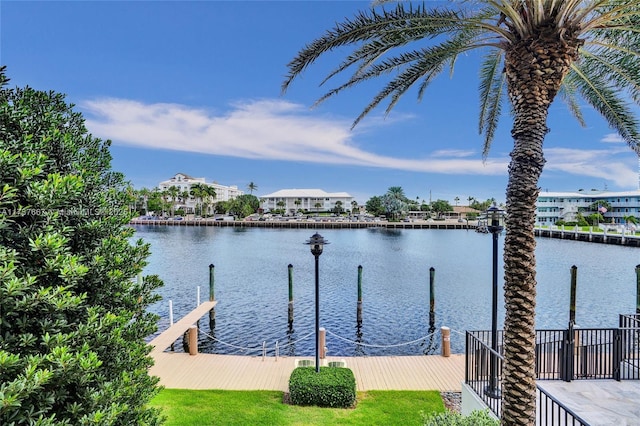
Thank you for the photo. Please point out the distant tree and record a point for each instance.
(244, 205)
(281, 204)
(73, 317)
(481, 205)
(457, 200)
(440, 207)
(252, 187)
(297, 202)
(337, 208)
(354, 206)
(173, 192)
(393, 206)
(317, 206)
(374, 206)
(397, 192)
(595, 219)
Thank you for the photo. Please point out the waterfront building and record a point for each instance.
(313, 200)
(184, 182)
(554, 206)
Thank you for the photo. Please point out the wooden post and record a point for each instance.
(290, 268)
(637, 289)
(323, 342)
(572, 301)
(446, 341)
(211, 283)
(359, 309)
(432, 296)
(193, 340)
(212, 297)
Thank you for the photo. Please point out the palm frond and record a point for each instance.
(396, 27)
(568, 94)
(620, 68)
(492, 95)
(605, 98)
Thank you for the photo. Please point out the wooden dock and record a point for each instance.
(236, 372)
(167, 337)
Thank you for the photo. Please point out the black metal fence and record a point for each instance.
(481, 362)
(572, 354)
(550, 411)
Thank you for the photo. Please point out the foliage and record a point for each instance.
(441, 206)
(330, 387)
(198, 407)
(72, 314)
(244, 205)
(450, 418)
(481, 205)
(374, 206)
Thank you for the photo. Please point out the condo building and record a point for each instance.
(292, 200)
(555, 206)
(184, 182)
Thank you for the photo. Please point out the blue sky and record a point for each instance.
(194, 87)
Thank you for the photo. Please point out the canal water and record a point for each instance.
(251, 286)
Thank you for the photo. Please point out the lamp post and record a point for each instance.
(495, 225)
(316, 242)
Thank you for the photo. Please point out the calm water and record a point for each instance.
(251, 286)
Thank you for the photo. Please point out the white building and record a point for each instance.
(312, 200)
(184, 182)
(555, 206)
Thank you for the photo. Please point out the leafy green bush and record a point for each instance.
(331, 387)
(451, 418)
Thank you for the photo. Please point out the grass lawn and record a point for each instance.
(218, 407)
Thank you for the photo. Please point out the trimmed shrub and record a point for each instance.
(331, 387)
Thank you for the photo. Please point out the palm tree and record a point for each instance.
(208, 197)
(297, 202)
(173, 192)
(198, 192)
(532, 50)
(354, 206)
(252, 187)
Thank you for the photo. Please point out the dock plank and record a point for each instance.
(167, 337)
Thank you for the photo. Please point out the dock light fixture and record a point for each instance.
(316, 243)
(495, 225)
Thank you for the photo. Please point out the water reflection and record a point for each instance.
(252, 286)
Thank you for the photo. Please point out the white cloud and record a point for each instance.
(604, 164)
(263, 129)
(279, 130)
(612, 138)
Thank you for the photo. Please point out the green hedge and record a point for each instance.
(331, 387)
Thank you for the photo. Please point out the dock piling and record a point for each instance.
(290, 269)
(432, 297)
(572, 301)
(193, 340)
(637, 289)
(212, 311)
(446, 341)
(359, 309)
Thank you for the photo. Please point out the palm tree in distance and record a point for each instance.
(252, 187)
(532, 51)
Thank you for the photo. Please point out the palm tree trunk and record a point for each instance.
(519, 404)
(535, 68)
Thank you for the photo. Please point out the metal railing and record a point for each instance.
(480, 362)
(550, 411)
(572, 354)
